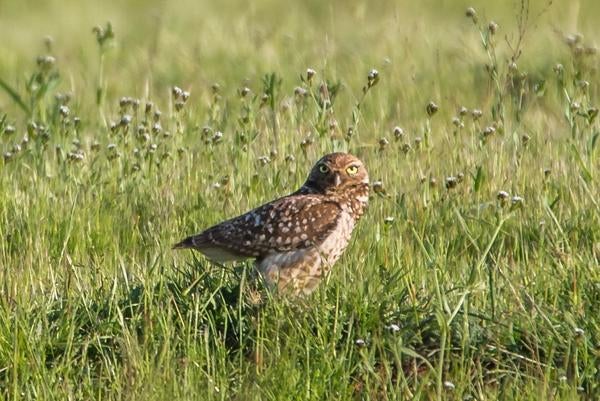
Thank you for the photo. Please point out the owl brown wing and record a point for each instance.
(286, 224)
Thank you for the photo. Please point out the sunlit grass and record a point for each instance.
(473, 275)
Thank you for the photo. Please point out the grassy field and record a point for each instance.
(474, 274)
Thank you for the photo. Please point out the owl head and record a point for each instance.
(337, 172)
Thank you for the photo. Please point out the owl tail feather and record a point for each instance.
(185, 244)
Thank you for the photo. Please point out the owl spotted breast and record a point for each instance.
(298, 238)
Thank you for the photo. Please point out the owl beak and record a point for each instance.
(338, 180)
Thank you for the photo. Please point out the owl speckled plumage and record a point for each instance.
(295, 239)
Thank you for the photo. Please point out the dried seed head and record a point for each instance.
(547, 172)
(349, 133)
(64, 111)
(217, 137)
(179, 105)
(575, 106)
(125, 102)
(431, 108)
(75, 156)
(489, 130)
(471, 13)
(406, 147)
(176, 92)
(185, 95)
(451, 182)
(125, 120)
(310, 73)
(512, 66)
(372, 78)
(290, 158)
(300, 91)
(215, 88)
(76, 122)
(573, 39)
(156, 128)
(7, 156)
(462, 111)
(476, 114)
(492, 27)
(306, 143)
(517, 201)
(148, 108)
(244, 91)
(264, 160)
(558, 69)
(383, 143)
(418, 141)
(525, 139)
(583, 84)
(360, 343)
(45, 62)
(388, 221)
(377, 187)
(457, 122)
(502, 196)
(157, 115)
(398, 133)
(432, 182)
(9, 129)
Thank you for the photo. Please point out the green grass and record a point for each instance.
(447, 292)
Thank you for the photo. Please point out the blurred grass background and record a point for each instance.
(444, 293)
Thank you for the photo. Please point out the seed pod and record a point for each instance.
(398, 133)
(431, 108)
(451, 182)
(471, 13)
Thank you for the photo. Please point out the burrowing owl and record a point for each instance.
(295, 239)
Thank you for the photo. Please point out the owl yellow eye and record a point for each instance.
(323, 169)
(352, 170)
